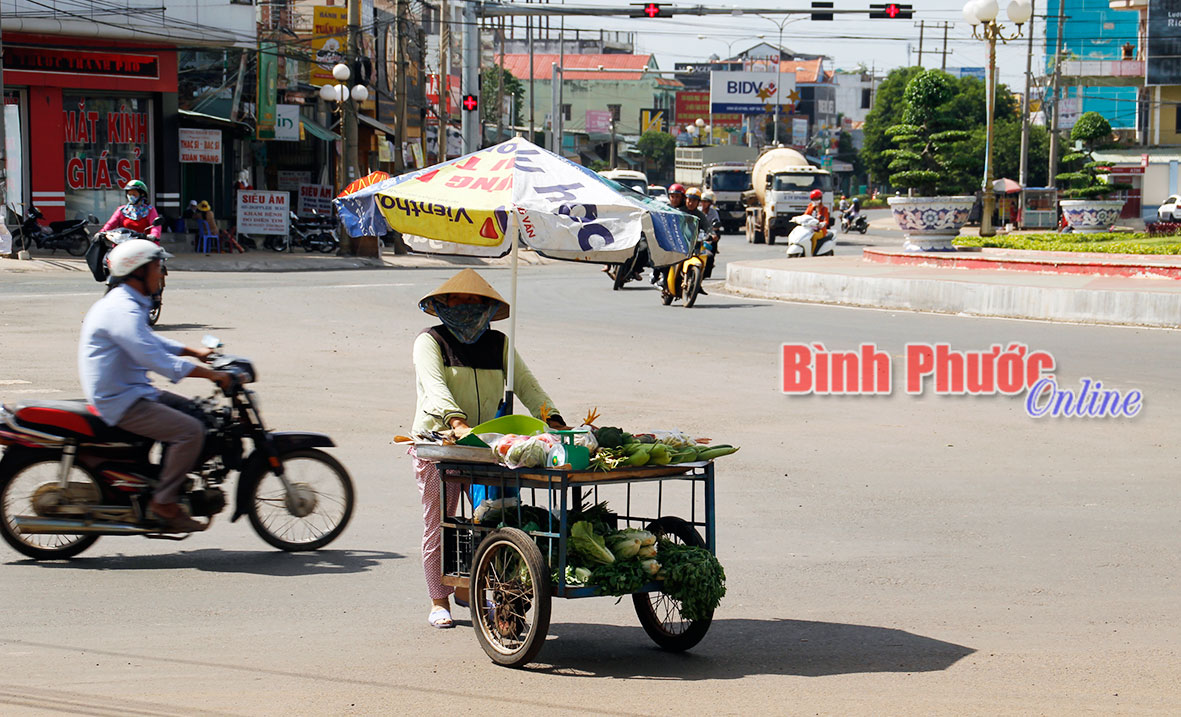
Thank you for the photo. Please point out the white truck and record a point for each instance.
(722, 169)
(781, 181)
(628, 178)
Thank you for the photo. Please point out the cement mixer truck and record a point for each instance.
(781, 181)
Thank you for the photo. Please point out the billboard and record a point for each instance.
(1164, 43)
(329, 41)
(691, 105)
(750, 93)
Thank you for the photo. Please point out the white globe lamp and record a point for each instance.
(341, 71)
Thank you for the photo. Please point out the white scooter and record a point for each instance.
(809, 238)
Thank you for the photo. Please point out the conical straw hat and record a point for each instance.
(467, 282)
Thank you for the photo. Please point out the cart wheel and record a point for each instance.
(510, 597)
(659, 614)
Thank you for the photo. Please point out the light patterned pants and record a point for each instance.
(427, 476)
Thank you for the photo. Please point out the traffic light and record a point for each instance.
(471, 103)
(821, 6)
(650, 10)
(891, 11)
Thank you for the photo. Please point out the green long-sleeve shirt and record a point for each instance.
(455, 380)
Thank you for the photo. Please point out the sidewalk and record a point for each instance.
(1001, 283)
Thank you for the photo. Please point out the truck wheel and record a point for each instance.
(770, 235)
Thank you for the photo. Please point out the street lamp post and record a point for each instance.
(779, 67)
(982, 14)
(340, 94)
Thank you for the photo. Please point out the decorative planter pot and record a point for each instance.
(930, 223)
(1091, 216)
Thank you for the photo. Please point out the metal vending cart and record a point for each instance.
(508, 568)
(1039, 208)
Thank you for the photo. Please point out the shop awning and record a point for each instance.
(189, 118)
(379, 126)
(318, 130)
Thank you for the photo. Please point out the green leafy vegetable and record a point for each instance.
(693, 577)
(588, 544)
(623, 577)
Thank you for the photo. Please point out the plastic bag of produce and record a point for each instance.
(527, 451)
(674, 439)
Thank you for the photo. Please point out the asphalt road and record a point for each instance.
(885, 555)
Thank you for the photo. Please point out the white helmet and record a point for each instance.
(130, 255)
(707, 196)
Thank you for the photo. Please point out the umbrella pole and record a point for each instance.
(512, 332)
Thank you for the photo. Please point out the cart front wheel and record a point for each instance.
(510, 597)
(659, 614)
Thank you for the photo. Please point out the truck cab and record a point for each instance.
(786, 196)
(628, 178)
(728, 181)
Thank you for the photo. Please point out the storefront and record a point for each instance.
(88, 121)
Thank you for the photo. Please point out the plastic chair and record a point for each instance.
(206, 239)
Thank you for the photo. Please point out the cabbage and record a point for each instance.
(588, 544)
(650, 566)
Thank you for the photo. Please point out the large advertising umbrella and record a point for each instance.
(490, 202)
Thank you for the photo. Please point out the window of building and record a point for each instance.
(866, 98)
(1177, 121)
(108, 143)
(566, 113)
(614, 110)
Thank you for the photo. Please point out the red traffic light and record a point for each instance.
(648, 9)
(471, 103)
(891, 11)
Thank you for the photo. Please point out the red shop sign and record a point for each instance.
(81, 62)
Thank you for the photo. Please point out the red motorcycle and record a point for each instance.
(67, 478)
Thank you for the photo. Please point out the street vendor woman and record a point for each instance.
(460, 375)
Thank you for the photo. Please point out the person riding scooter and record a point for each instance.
(817, 209)
(138, 214)
(713, 222)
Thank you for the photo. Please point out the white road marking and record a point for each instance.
(13, 382)
(33, 390)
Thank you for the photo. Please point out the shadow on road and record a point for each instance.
(734, 649)
(261, 562)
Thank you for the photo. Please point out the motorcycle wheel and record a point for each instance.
(863, 229)
(23, 477)
(279, 245)
(78, 244)
(623, 272)
(320, 510)
(154, 314)
(692, 285)
(328, 243)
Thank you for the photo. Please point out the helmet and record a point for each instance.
(692, 192)
(130, 255)
(816, 195)
(707, 196)
(676, 189)
(136, 184)
(856, 201)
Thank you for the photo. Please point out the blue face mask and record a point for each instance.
(466, 322)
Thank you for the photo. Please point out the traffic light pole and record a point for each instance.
(471, 77)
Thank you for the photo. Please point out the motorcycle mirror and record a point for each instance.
(158, 221)
(92, 219)
(210, 341)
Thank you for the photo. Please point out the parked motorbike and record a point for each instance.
(103, 242)
(809, 238)
(313, 234)
(66, 478)
(70, 235)
(854, 223)
(683, 280)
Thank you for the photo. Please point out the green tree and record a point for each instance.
(489, 89)
(886, 112)
(659, 148)
(926, 138)
(1093, 131)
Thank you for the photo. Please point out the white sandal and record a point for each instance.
(440, 617)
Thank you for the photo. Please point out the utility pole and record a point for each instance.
(612, 143)
(470, 79)
(500, 91)
(532, 97)
(4, 154)
(1051, 179)
(399, 87)
(444, 73)
(555, 81)
(943, 55)
(1023, 166)
(922, 26)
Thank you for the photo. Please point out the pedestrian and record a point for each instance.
(459, 369)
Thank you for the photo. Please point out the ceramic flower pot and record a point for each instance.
(1091, 216)
(930, 223)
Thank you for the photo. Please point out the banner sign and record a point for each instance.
(799, 131)
(652, 120)
(750, 93)
(1164, 43)
(329, 37)
(317, 197)
(261, 212)
(268, 89)
(598, 122)
(287, 123)
(81, 62)
(289, 180)
(200, 146)
(691, 105)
